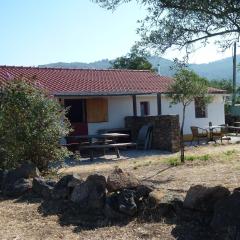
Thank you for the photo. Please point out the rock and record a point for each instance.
(118, 180)
(27, 170)
(41, 188)
(163, 203)
(91, 194)
(126, 202)
(142, 191)
(65, 186)
(227, 212)
(18, 188)
(120, 205)
(2, 177)
(203, 198)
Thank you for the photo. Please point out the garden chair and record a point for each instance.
(198, 134)
(144, 138)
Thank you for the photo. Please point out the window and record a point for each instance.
(97, 110)
(144, 108)
(200, 108)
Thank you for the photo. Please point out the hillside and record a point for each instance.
(221, 69)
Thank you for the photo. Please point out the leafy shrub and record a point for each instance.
(31, 125)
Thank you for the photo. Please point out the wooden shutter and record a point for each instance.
(97, 110)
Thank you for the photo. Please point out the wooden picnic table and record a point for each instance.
(101, 141)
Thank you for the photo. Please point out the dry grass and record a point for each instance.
(24, 220)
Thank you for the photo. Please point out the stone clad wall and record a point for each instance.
(166, 130)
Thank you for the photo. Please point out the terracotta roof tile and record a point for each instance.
(91, 81)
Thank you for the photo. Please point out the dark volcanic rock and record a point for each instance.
(18, 188)
(2, 177)
(65, 186)
(120, 205)
(91, 194)
(27, 170)
(227, 212)
(204, 198)
(41, 187)
(118, 180)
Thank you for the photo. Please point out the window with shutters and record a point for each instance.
(97, 110)
(200, 108)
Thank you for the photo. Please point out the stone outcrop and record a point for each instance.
(65, 186)
(119, 179)
(203, 198)
(91, 194)
(42, 188)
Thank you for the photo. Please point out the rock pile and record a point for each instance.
(122, 196)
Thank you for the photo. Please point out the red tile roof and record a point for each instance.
(60, 81)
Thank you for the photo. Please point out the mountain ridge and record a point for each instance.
(216, 70)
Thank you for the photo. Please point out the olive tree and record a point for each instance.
(181, 23)
(186, 87)
(31, 125)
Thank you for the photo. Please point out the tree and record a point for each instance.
(187, 86)
(222, 84)
(181, 23)
(31, 125)
(132, 61)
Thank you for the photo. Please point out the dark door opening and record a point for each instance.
(77, 115)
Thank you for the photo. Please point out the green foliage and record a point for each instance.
(188, 86)
(31, 125)
(132, 61)
(181, 23)
(173, 161)
(222, 84)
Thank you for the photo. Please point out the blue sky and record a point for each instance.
(43, 31)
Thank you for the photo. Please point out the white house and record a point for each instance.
(100, 99)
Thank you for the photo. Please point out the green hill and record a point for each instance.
(221, 69)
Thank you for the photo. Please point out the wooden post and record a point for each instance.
(159, 104)
(134, 98)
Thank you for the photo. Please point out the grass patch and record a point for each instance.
(229, 152)
(205, 157)
(174, 161)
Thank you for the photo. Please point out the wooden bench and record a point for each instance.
(116, 146)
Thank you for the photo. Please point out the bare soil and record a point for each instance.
(210, 165)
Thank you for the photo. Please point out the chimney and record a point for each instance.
(159, 69)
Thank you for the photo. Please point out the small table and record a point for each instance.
(210, 128)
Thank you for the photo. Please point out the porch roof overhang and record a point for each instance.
(101, 94)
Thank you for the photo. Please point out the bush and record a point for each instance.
(31, 125)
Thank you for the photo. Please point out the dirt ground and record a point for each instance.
(210, 165)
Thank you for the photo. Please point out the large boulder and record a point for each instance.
(65, 186)
(42, 188)
(26, 170)
(227, 212)
(91, 194)
(118, 180)
(204, 198)
(18, 188)
(160, 204)
(2, 177)
(120, 205)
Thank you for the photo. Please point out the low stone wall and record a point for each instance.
(166, 130)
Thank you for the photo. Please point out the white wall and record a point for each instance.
(121, 106)
(215, 113)
(118, 109)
